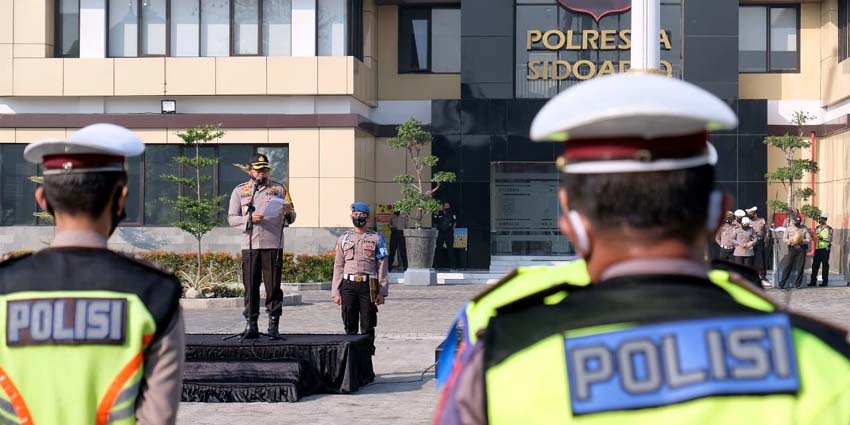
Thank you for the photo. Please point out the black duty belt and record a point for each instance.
(360, 278)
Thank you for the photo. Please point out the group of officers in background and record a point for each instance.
(745, 237)
(741, 239)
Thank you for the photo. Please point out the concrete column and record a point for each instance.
(646, 34)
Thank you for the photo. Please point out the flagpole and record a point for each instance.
(646, 35)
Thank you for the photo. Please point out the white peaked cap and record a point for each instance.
(740, 213)
(753, 209)
(824, 214)
(648, 111)
(745, 220)
(106, 139)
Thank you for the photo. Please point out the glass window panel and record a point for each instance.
(413, 40)
(134, 179)
(278, 162)
(159, 160)
(783, 39)
(215, 28)
(123, 28)
(153, 27)
(277, 27)
(445, 40)
(752, 40)
(69, 28)
(185, 27)
(332, 28)
(17, 204)
(229, 176)
(246, 26)
(534, 18)
(842, 29)
(671, 18)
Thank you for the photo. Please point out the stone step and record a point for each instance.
(456, 278)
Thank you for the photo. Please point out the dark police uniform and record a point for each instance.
(445, 222)
(823, 246)
(88, 335)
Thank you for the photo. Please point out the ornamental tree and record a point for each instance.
(198, 210)
(418, 196)
(790, 145)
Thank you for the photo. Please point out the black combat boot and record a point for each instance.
(251, 329)
(274, 323)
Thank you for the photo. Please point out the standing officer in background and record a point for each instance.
(656, 338)
(89, 336)
(744, 239)
(759, 226)
(445, 220)
(723, 237)
(398, 223)
(360, 281)
(823, 247)
(797, 237)
(264, 263)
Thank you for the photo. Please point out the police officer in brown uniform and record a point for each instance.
(85, 189)
(723, 237)
(744, 239)
(759, 226)
(360, 281)
(266, 242)
(797, 237)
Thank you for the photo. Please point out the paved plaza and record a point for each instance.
(410, 326)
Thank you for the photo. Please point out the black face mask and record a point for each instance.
(117, 216)
(359, 221)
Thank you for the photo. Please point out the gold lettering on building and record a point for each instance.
(604, 40)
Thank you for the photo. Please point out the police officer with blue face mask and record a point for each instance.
(360, 280)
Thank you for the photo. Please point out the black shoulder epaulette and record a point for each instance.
(496, 285)
(8, 259)
(148, 264)
(539, 297)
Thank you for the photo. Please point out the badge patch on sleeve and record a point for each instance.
(661, 364)
(66, 321)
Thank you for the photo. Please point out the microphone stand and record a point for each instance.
(249, 229)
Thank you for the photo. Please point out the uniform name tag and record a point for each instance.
(667, 363)
(66, 321)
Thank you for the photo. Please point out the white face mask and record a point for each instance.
(582, 240)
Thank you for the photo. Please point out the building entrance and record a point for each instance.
(524, 210)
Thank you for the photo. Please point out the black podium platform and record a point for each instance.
(267, 370)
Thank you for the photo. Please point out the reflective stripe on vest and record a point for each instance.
(81, 350)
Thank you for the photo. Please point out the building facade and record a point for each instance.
(319, 85)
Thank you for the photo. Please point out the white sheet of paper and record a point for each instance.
(274, 207)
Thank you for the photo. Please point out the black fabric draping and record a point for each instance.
(243, 382)
(341, 363)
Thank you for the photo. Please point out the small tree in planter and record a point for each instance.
(417, 198)
(198, 211)
(790, 145)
